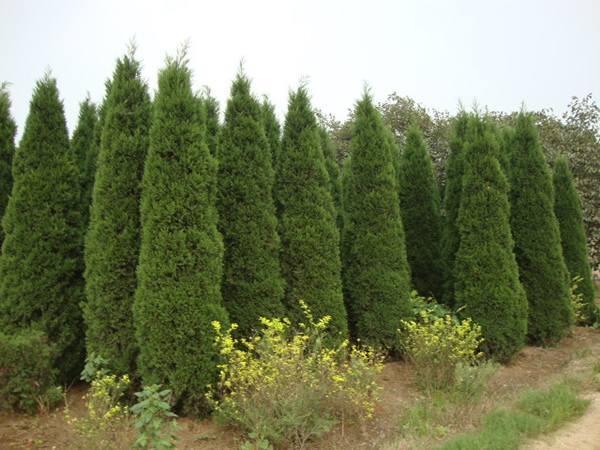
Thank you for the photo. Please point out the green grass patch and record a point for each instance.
(536, 411)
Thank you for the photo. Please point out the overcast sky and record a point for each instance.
(498, 52)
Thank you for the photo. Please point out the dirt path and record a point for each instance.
(582, 434)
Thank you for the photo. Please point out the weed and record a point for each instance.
(155, 430)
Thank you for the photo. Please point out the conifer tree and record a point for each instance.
(420, 210)
(8, 130)
(450, 236)
(113, 238)
(272, 132)
(211, 108)
(487, 283)
(181, 255)
(252, 284)
(375, 271)
(567, 207)
(40, 273)
(543, 272)
(82, 144)
(310, 259)
(335, 186)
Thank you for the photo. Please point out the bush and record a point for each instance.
(27, 373)
(285, 386)
(437, 346)
(153, 411)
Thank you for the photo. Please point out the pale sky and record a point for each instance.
(498, 52)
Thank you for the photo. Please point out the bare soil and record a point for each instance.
(532, 367)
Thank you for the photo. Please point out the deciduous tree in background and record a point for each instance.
(420, 210)
(375, 271)
(310, 259)
(252, 283)
(40, 267)
(542, 269)
(487, 286)
(181, 255)
(113, 238)
(567, 207)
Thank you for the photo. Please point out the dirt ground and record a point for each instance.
(532, 367)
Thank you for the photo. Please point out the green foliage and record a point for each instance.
(487, 286)
(27, 372)
(83, 143)
(286, 385)
(180, 263)
(8, 130)
(537, 238)
(211, 108)
(40, 266)
(427, 307)
(567, 207)
(113, 238)
(420, 210)
(252, 284)
(450, 238)
(310, 260)
(375, 270)
(153, 411)
(437, 347)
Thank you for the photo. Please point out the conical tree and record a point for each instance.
(211, 108)
(375, 271)
(567, 207)
(335, 185)
(537, 237)
(40, 275)
(450, 236)
(420, 210)
(487, 283)
(252, 283)
(113, 238)
(272, 131)
(82, 144)
(310, 242)
(8, 130)
(181, 256)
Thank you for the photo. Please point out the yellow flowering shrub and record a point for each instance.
(437, 345)
(577, 300)
(106, 420)
(290, 384)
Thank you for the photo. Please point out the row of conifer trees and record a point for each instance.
(154, 220)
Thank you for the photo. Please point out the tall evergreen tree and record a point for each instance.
(486, 272)
(335, 185)
(211, 108)
(41, 286)
(450, 236)
(272, 131)
(113, 238)
(181, 256)
(420, 210)
(567, 207)
(252, 284)
(375, 269)
(537, 237)
(82, 144)
(8, 130)
(310, 259)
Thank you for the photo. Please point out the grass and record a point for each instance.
(536, 411)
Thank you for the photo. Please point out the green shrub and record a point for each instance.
(153, 411)
(27, 373)
(286, 386)
(437, 346)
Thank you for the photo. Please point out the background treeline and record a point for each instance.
(155, 219)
